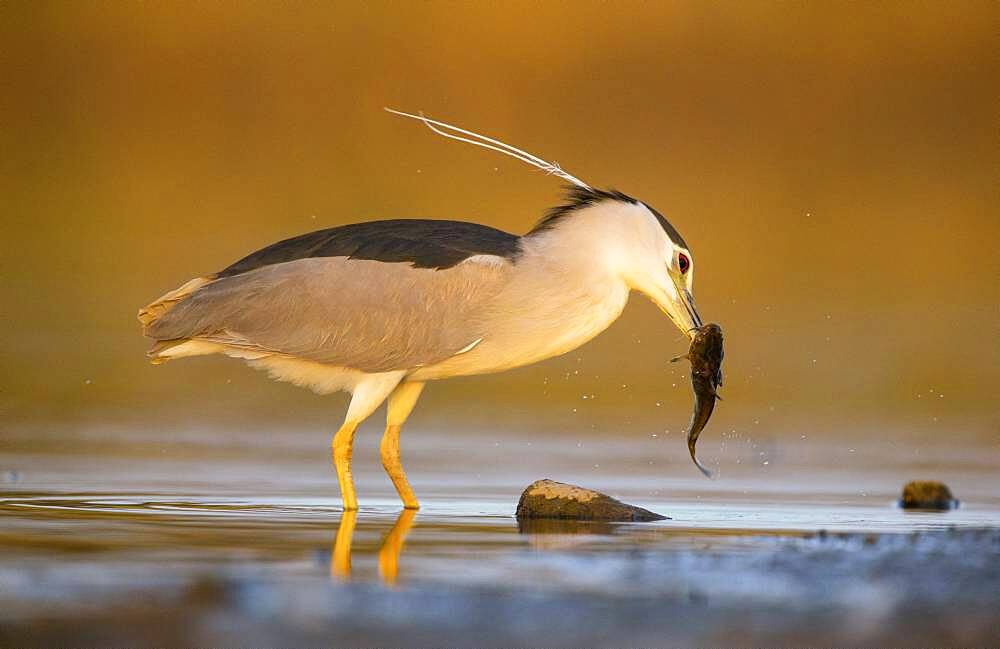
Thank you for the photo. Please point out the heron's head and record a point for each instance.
(637, 243)
(665, 269)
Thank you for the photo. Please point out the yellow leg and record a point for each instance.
(365, 398)
(340, 561)
(401, 403)
(341, 446)
(392, 545)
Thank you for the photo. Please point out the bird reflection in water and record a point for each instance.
(388, 554)
(540, 535)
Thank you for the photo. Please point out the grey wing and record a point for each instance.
(367, 315)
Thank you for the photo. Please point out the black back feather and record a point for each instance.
(422, 242)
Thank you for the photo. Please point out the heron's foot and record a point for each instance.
(403, 489)
(349, 499)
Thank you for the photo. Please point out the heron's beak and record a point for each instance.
(679, 307)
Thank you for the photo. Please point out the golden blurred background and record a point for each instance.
(834, 167)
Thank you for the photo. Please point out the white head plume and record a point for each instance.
(443, 129)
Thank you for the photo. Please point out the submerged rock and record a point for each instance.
(551, 499)
(927, 494)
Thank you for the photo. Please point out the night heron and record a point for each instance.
(378, 309)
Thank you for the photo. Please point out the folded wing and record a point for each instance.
(369, 315)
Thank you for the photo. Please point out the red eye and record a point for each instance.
(683, 262)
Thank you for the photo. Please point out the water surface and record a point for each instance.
(238, 536)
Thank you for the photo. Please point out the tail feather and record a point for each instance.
(156, 353)
(164, 350)
(155, 309)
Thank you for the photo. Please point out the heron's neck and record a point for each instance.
(593, 247)
(575, 259)
(563, 291)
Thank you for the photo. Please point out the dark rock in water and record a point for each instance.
(550, 499)
(927, 494)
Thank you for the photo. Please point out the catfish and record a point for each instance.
(705, 355)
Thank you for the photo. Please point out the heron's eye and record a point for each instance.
(683, 262)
